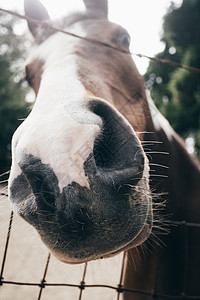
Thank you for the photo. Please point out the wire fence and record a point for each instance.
(82, 286)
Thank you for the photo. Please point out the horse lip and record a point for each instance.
(136, 241)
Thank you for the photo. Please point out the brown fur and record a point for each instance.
(34, 72)
(164, 268)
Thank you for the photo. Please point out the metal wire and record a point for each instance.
(82, 285)
(42, 284)
(48, 26)
(6, 247)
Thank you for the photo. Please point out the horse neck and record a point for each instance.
(180, 181)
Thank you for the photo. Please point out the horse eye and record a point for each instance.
(125, 40)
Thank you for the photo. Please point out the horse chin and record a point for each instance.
(142, 236)
(84, 254)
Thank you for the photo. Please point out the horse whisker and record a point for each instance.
(5, 173)
(158, 165)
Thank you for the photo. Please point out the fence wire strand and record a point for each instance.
(6, 247)
(42, 284)
(48, 26)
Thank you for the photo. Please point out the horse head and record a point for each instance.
(79, 172)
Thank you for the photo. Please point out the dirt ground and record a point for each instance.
(26, 261)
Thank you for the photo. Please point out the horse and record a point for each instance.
(94, 159)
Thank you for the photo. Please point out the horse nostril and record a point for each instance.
(105, 152)
(117, 152)
(41, 180)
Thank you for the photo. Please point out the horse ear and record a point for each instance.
(98, 6)
(35, 10)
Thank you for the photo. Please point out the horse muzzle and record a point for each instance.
(112, 213)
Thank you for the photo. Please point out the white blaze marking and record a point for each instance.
(51, 133)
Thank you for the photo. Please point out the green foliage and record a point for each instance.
(12, 92)
(178, 95)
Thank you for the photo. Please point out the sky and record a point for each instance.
(142, 18)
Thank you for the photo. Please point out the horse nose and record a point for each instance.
(114, 160)
(74, 219)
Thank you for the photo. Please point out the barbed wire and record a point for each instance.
(48, 26)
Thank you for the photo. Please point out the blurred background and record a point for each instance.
(160, 28)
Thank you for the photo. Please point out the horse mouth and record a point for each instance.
(138, 240)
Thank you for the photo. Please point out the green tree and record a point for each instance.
(176, 91)
(13, 107)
